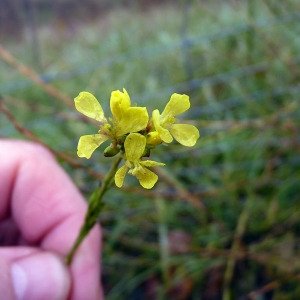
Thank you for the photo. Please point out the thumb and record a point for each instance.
(38, 275)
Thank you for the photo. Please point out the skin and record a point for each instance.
(41, 212)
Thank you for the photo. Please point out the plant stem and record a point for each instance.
(95, 207)
(235, 247)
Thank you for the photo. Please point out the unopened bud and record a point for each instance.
(153, 139)
(111, 151)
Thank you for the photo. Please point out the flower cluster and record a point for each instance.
(132, 132)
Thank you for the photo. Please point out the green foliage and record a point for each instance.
(238, 61)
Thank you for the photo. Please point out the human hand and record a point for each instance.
(41, 212)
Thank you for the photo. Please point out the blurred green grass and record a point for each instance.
(238, 61)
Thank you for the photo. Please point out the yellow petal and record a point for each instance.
(88, 143)
(147, 178)
(120, 175)
(119, 102)
(134, 146)
(151, 163)
(133, 119)
(185, 134)
(163, 133)
(177, 105)
(87, 104)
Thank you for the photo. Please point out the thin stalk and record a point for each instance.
(235, 248)
(95, 207)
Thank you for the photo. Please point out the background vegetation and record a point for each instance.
(223, 222)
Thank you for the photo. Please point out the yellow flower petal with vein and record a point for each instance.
(88, 143)
(133, 119)
(147, 178)
(120, 175)
(164, 133)
(134, 146)
(185, 134)
(119, 102)
(87, 104)
(177, 105)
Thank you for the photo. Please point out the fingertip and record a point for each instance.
(40, 276)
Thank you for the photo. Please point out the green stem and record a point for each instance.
(239, 232)
(95, 207)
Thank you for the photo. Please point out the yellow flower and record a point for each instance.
(126, 119)
(88, 105)
(134, 146)
(185, 134)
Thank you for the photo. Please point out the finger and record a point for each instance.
(48, 210)
(6, 287)
(28, 273)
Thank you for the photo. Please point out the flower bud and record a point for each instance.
(111, 151)
(153, 139)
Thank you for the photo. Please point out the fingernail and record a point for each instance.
(40, 276)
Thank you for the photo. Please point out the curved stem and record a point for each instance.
(96, 204)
